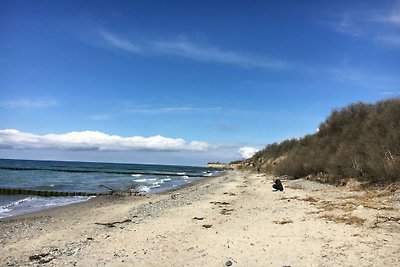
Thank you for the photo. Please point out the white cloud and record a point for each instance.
(377, 25)
(94, 140)
(391, 16)
(119, 43)
(392, 40)
(347, 24)
(177, 109)
(393, 19)
(186, 49)
(390, 93)
(247, 152)
(100, 117)
(26, 103)
(366, 79)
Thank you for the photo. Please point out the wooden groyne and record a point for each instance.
(42, 193)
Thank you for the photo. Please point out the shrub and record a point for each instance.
(360, 141)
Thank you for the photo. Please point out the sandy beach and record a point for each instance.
(232, 220)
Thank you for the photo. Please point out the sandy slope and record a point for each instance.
(235, 219)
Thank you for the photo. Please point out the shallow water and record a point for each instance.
(87, 177)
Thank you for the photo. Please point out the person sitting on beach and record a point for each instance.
(278, 185)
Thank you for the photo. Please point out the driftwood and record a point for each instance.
(219, 203)
(113, 224)
(110, 190)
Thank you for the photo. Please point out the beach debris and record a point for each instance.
(228, 263)
(207, 226)
(41, 258)
(226, 211)
(284, 221)
(110, 190)
(219, 203)
(229, 194)
(198, 218)
(383, 219)
(113, 224)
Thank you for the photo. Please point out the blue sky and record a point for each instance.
(185, 82)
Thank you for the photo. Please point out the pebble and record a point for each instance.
(183, 198)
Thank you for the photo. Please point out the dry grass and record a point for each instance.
(394, 222)
(347, 219)
(372, 199)
(294, 186)
(330, 206)
(309, 199)
(379, 200)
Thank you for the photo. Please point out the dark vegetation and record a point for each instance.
(360, 141)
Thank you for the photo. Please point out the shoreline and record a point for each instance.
(103, 199)
(235, 217)
(106, 196)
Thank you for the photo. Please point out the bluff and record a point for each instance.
(360, 141)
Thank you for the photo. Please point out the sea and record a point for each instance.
(89, 177)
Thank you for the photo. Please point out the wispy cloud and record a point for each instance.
(391, 16)
(181, 47)
(393, 40)
(390, 93)
(95, 140)
(27, 103)
(101, 117)
(119, 43)
(177, 109)
(364, 78)
(151, 110)
(346, 24)
(202, 53)
(225, 127)
(378, 25)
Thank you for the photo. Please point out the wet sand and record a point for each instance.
(236, 219)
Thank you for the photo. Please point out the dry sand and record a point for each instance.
(233, 220)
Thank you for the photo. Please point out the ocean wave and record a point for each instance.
(18, 202)
(30, 204)
(61, 201)
(3, 209)
(140, 180)
(143, 189)
(137, 175)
